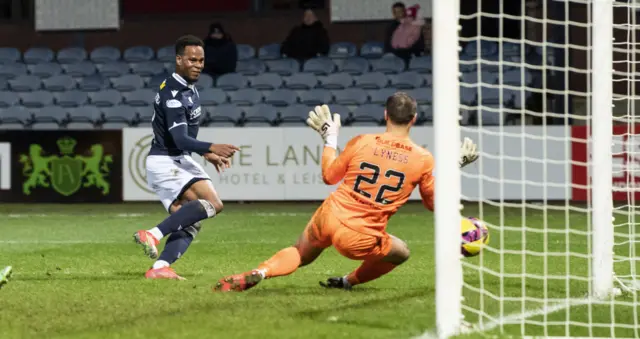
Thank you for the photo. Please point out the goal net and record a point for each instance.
(547, 89)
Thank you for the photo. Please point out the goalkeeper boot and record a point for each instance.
(336, 282)
(148, 243)
(163, 273)
(4, 275)
(238, 282)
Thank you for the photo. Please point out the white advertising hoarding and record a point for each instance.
(349, 10)
(76, 14)
(284, 163)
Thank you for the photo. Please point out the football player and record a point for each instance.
(4, 275)
(182, 185)
(378, 174)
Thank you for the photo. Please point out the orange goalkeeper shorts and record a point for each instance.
(325, 229)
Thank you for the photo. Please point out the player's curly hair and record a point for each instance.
(187, 40)
(401, 108)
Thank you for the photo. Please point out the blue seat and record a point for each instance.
(127, 82)
(166, 54)
(267, 82)
(296, 114)
(59, 83)
(421, 64)
(284, 67)
(354, 66)
(245, 97)
(319, 66)
(84, 116)
(337, 81)
(12, 70)
(480, 48)
(105, 98)
(118, 116)
(316, 97)
(227, 114)
(81, 69)
(213, 97)
(282, 97)
(45, 69)
(261, 114)
(350, 96)
(269, 52)
(204, 81)
(245, 51)
(406, 80)
(15, 116)
(250, 67)
(299, 81)
(490, 115)
(36, 99)
(232, 82)
(71, 55)
(138, 54)
(381, 95)
(9, 55)
(372, 80)
(372, 50)
(148, 68)
(468, 95)
(105, 54)
(366, 115)
(72, 98)
(25, 83)
(36, 55)
(343, 50)
(139, 98)
(388, 65)
(49, 117)
(8, 99)
(423, 96)
(156, 80)
(114, 69)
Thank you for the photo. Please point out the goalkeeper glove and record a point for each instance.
(468, 152)
(326, 124)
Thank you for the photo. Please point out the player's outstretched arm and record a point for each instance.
(327, 125)
(427, 184)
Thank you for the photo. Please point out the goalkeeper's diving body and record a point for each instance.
(182, 185)
(378, 174)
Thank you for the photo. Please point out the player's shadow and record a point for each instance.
(60, 275)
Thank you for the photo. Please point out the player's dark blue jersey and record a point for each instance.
(176, 119)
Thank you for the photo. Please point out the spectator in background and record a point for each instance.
(220, 52)
(404, 36)
(308, 40)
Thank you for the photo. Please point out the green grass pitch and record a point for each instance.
(78, 274)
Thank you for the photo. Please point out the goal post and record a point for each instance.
(547, 89)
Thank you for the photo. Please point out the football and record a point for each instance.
(475, 235)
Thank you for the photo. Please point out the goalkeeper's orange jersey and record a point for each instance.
(380, 172)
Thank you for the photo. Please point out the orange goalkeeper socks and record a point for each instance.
(369, 270)
(285, 262)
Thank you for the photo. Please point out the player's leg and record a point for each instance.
(4, 275)
(388, 253)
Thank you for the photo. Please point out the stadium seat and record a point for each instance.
(423, 96)
(245, 97)
(466, 116)
(105, 98)
(514, 77)
(127, 83)
(143, 115)
(45, 69)
(81, 69)
(245, 52)
(421, 64)
(36, 99)
(147, 68)
(71, 55)
(232, 82)
(316, 97)
(4, 84)
(406, 80)
(35, 55)
(204, 81)
(380, 96)
(299, 81)
(354, 66)
(25, 83)
(156, 80)
(227, 114)
(319, 66)
(267, 82)
(372, 50)
(105, 54)
(49, 117)
(138, 54)
(114, 69)
(428, 79)
(118, 116)
(261, 115)
(489, 95)
(9, 55)
(350, 96)
(344, 112)
(366, 115)
(166, 54)
(8, 99)
(476, 48)
(284, 67)
(14, 116)
(336, 81)
(510, 49)
(72, 98)
(388, 65)
(468, 95)
(139, 98)
(250, 67)
(489, 115)
(343, 50)
(12, 70)
(269, 52)
(294, 114)
(372, 80)
(425, 114)
(282, 97)
(84, 117)
(213, 97)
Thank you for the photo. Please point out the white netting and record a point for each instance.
(526, 83)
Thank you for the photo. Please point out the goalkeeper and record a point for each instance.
(378, 174)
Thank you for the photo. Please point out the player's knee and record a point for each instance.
(210, 207)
